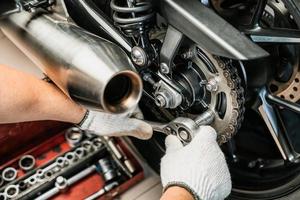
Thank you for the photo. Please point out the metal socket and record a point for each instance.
(61, 162)
(9, 174)
(80, 152)
(27, 162)
(107, 168)
(97, 142)
(22, 186)
(40, 174)
(71, 157)
(74, 136)
(11, 191)
(87, 145)
(3, 196)
(32, 180)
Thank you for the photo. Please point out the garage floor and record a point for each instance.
(148, 189)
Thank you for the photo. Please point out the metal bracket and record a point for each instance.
(294, 7)
(169, 49)
(272, 119)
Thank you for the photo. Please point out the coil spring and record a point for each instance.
(134, 17)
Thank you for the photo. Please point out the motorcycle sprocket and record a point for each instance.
(230, 92)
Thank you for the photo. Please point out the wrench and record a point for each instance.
(182, 127)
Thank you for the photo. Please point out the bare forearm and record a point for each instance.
(24, 97)
(177, 193)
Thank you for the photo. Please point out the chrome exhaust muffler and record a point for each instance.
(87, 68)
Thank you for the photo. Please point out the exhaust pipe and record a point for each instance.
(87, 68)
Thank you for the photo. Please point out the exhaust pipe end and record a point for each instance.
(123, 92)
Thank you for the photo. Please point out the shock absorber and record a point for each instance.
(135, 18)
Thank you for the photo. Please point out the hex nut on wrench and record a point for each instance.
(184, 128)
(9, 174)
(11, 191)
(27, 162)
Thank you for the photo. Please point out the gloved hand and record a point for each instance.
(106, 124)
(199, 167)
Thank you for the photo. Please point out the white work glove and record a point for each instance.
(106, 124)
(199, 167)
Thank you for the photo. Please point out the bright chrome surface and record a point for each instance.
(89, 69)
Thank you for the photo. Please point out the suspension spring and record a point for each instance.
(133, 17)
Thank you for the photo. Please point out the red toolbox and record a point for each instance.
(84, 167)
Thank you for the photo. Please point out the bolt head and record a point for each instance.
(212, 85)
(164, 68)
(139, 56)
(160, 101)
(184, 135)
(60, 180)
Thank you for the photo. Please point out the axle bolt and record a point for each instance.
(160, 101)
(184, 135)
(212, 85)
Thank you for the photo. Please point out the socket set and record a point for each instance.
(86, 154)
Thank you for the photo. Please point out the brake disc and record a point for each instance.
(225, 92)
(276, 14)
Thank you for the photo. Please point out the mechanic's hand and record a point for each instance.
(199, 167)
(106, 124)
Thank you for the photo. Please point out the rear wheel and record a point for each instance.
(256, 165)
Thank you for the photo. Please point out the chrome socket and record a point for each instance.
(71, 157)
(97, 143)
(74, 136)
(22, 186)
(40, 174)
(27, 162)
(3, 196)
(9, 174)
(88, 146)
(32, 180)
(61, 162)
(108, 170)
(48, 174)
(11, 191)
(80, 152)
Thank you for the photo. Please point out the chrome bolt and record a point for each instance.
(164, 68)
(212, 85)
(160, 101)
(138, 56)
